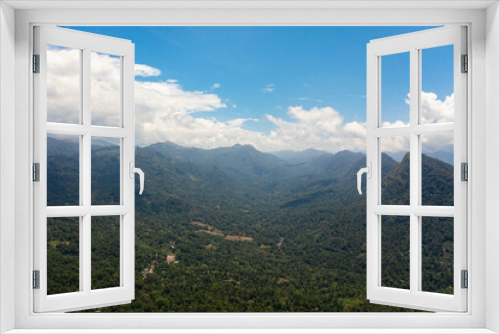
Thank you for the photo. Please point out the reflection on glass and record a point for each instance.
(396, 252)
(63, 250)
(437, 99)
(105, 90)
(105, 171)
(437, 255)
(437, 169)
(63, 84)
(63, 170)
(105, 252)
(395, 163)
(395, 89)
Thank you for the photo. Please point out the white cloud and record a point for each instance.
(437, 111)
(268, 89)
(319, 128)
(238, 122)
(396, 123)
(63, 85)
(215, 86)
(142, 70)
(165, 112)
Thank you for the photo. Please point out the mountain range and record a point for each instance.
(236, 229)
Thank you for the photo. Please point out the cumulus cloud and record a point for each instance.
(268, 89)
(165, 111)
(63, 85)
(215, 86)
(435, 110)
(319, 128)
(142, 70)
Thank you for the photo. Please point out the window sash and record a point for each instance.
(414, 298)
(86, 297)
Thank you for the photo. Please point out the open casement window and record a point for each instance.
(401, 270)
(74, 213)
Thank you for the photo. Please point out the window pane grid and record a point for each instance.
(451, 98)
(415, 210)
(85, 211)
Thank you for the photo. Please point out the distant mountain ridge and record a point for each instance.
(298, 157)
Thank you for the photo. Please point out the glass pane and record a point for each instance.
(105, 171)
(437, 169)
(105, 252)
(395, 89)
(63, 84)
(105, 79)
(437, 254)
(395, 155)
(63, 170)
(437, 99)
(396, 252)
(63, 250)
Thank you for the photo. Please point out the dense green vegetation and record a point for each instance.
(238, 230)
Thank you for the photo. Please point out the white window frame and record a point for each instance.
(484, 266)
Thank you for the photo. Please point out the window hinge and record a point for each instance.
(465, 64)
(465, 279)
(464, 171)
(36, 63)
(36, 279)
(36, 172)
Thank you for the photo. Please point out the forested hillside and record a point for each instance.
(235, 229)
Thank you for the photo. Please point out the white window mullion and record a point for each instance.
(85, 256)
(86, 163)
(414, 171)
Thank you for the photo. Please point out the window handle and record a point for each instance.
(368, 171)
(139, 171)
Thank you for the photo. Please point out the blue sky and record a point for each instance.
(258, 71)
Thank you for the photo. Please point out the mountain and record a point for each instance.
(437, 183)
(396, 184)
(248, 231)
(445, 155)
(241, 162)
(299, 157)
(265, 170)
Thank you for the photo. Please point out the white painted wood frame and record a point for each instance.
(415, 297)
(482, 315)
(86, 297)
